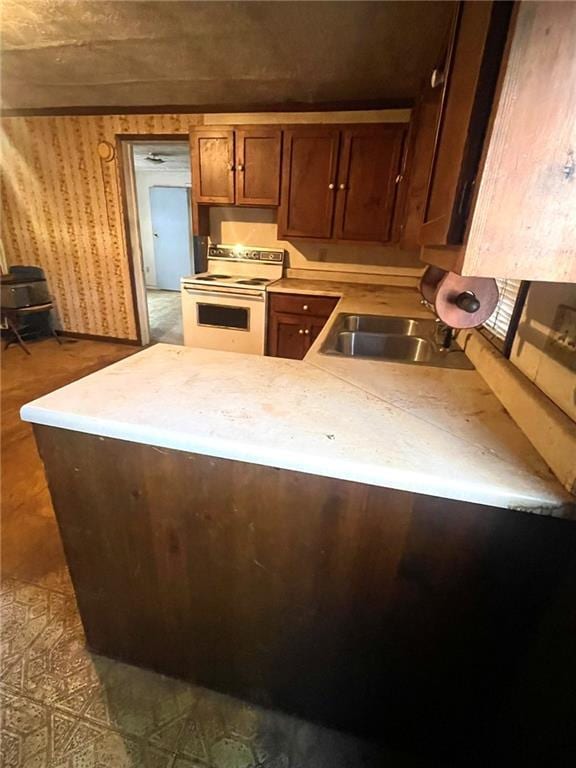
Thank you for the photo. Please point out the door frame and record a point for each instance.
(130, 218)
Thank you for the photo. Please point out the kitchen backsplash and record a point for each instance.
(257, 226)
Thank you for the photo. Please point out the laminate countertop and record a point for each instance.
(416, 428)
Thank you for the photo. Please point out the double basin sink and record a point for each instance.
(395, 339)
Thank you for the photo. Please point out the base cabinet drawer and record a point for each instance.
(320, 306)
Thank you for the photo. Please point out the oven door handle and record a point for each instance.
(209, 292)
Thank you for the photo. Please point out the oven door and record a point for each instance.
(233, 321)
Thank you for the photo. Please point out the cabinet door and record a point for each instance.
(420, 153)
(524, 221)
(308, 181)
(479, 37)
(287, 335)
(258, 165)
(315, 325)
(212, 154)
(367, 181)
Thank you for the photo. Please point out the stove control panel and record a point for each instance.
(246, 253)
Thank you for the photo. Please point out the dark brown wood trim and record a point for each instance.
(121, 137)
(96, 337)
(172, 109)
(121, 176)
(153, 136)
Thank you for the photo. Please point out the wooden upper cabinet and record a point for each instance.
(309, 181)
(340, 182)
(236, 166)
(212, 154)
(507, 207)
(465, 91)
(368, 177)
(258, 152)
(524, 222)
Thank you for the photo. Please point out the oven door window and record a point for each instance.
(219, 316)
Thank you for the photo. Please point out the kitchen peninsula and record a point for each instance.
(357, 542)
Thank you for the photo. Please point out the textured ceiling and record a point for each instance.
(175, 156)
(95, 53)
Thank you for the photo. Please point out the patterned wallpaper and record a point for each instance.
(61, 206)
(61, 210)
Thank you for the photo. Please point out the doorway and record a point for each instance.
(157, 181)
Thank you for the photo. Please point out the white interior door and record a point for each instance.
(170, 217)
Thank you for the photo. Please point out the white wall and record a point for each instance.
(145, 180)
(257, 226)
(550, 364)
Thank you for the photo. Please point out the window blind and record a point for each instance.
(499, 321)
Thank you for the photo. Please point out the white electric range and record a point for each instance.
(225, 307)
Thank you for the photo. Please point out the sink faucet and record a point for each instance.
(441, 328)
(447, 336)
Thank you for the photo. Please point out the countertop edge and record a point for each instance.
(368, 474)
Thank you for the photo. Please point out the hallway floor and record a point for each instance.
(63, 707)
(165, 316)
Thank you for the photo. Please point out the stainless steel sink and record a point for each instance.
(386, 345)
(405, 326)
(396, 339)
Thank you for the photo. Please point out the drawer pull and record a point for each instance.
(300, 331)
(305, 307)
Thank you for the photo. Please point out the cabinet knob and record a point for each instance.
(342, 186)
(437, 78)
(330, 186)
(240, 167)
(300, 331)
(306, 331)
(305, 307)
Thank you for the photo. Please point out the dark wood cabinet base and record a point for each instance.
(372, 610)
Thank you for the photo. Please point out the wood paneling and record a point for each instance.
(526, 202)
(62, 211)
(410, 617)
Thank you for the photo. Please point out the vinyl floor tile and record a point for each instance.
(63, 707)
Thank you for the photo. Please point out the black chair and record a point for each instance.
(30, 320)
